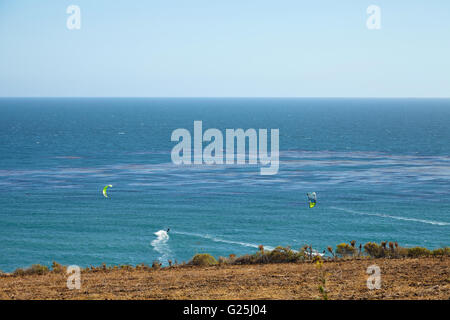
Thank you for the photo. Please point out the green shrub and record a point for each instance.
(280, 254)
(143, 266)
(441, 252)
(317, 259)
(401, 252)
(19, 272)
(344, 249)
(374, 250)
(203, 259)
(58, 268)
(34, 269)
(37, 269)
(418, 252)
(249, 259)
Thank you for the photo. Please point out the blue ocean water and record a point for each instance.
(380, 168)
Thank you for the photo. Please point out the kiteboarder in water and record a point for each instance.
(312, 197)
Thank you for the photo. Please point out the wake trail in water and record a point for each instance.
(439, 223)
(160, 245)
(215, 239)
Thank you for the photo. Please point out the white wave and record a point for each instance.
(215, 239)
(160, 245)
(439, 223)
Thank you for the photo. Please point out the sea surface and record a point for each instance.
(380, 168)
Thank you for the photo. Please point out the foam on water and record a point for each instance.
(439, 223)
(216, 239)
(161, 245)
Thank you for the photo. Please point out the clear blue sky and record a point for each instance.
(225, 48)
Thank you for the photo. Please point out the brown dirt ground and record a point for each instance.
(423, 278)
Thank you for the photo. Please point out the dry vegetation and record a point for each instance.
(414, 273)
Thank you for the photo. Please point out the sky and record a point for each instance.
(224, 48)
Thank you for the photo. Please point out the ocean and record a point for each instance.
(380, 168)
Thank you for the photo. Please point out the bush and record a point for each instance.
(203, 259)
(317, 259)
(58, 268)
(277, 255)
(34, 269)
(374, 250)
(141, 266)
(401, 252)
(441, 252)
(344, 249)
(280, 254)
(38, 269)
(223, 260)
(19, 272)
(418, 252)
(249, 259)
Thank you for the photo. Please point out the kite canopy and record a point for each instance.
(312, 198)
(104, 190)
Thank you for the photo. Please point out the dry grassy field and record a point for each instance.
(420, 278)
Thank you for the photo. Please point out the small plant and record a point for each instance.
(418, 252)
(34, 269)
(203, 259)
(322, 280)
(441, 252)
(330, 250)
(261, 248)
(281, 254)
(37, 269)
(353, 243)
(58, 268)
(374, 250)
(248, 259)
(170, 263)
(126, 267)
(156, 265)
(391, 246)
(222, 260)
(304, 251)
(19, 272)
(344, 250)
(317, 258)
